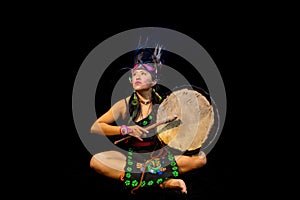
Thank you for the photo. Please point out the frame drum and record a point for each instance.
(195, 117)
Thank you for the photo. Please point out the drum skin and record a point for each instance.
(195, 117)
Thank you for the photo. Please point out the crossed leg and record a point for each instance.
(112, 164)
(185, 164)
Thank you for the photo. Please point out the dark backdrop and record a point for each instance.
(217, 178)
(61, 161)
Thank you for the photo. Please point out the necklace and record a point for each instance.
(145, 102)
(146, 111)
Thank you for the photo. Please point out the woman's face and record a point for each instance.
(142, 80)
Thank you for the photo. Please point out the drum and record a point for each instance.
(195, 118)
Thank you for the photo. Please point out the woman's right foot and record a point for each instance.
(175, 183)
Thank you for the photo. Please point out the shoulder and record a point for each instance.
(120, 107)
(121, 103)
(127, 99)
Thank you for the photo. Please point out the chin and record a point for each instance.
(141, 87)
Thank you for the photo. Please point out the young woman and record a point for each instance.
(148, 162)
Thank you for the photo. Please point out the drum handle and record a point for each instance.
(166, 120)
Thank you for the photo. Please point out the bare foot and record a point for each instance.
(175, 183)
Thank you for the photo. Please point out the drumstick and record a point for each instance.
(166, 120)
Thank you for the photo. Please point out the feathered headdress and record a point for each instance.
(148, 59)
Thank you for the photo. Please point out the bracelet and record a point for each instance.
(124, 130)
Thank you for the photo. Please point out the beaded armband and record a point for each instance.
(124, 130)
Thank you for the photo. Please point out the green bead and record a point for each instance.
(134, 183)
(173, 163)
(150, 183)
(145, 123)
(175, 173)
(143, 183)
(160, 180)
(128, 175)
(127, 182)
(170, 158)
(129, 169)
(130, 163)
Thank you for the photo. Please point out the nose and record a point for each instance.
(138, 77)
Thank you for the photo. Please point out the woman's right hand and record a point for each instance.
(137, 131)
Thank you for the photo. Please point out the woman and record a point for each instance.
(148, 162)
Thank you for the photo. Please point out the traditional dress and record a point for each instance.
(149, 162)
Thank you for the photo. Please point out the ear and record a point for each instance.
(130, 80)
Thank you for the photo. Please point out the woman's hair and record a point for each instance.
(148, 59)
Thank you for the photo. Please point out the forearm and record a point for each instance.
(105, 124)
(105, 129)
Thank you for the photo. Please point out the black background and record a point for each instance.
(55, 160)
(218, 178)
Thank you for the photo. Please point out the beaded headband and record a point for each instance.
(148, 59)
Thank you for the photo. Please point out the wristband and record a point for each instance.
(124, 130)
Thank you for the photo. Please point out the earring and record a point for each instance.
(135, 100)
(156, 94)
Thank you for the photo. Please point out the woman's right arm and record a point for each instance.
(103, 124)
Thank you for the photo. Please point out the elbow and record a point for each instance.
(95, 128)
(92, 130)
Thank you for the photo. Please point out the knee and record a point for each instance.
(94, 163)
